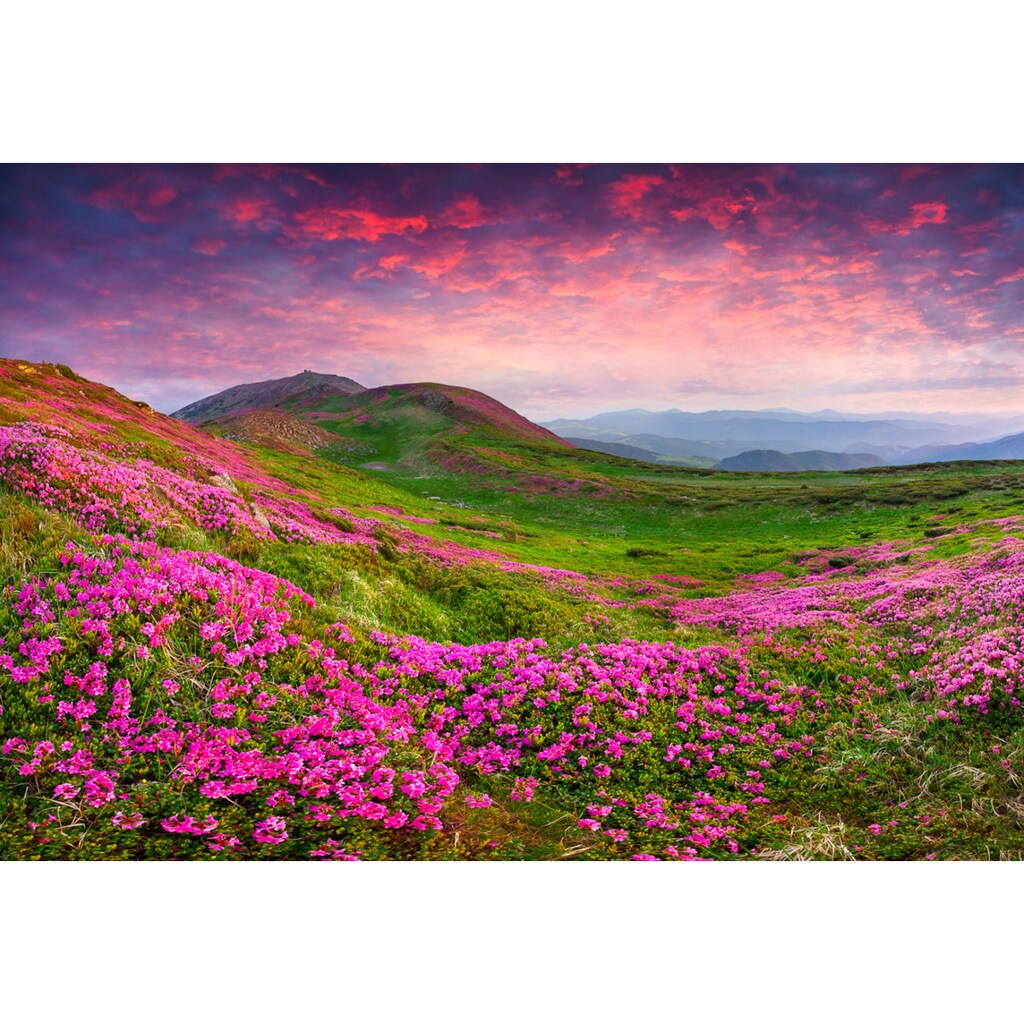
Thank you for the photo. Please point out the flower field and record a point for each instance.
(191, 670)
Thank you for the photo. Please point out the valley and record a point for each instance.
(407, 623)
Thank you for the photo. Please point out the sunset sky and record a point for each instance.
(558, 289)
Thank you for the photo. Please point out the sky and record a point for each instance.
(561, 290)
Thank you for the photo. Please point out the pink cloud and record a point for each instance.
(569, 174)
(928, 213)
(330, 223)
(242, 210)
(583, 252)
(437, 262)
(629, 196)
(209, 246)
(920, 214)
(140, 195)
(465, 212)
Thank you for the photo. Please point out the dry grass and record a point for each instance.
(824, 840)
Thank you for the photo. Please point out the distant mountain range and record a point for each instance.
(773, 440)
(797, 462)
(719, 435)
(1011, 447)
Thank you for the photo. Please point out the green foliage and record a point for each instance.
(620, 524)
(507, 613)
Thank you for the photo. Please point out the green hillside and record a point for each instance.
(489, 644)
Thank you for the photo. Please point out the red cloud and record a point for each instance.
(568, 174)
(928, 213)
(628, 197)
(438, 261)
(209, 246)
(331, 223)
(241, 211)
(719, 209)
(146, 201)
(463, 213)
(920, 214)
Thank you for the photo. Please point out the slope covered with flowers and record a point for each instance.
(162, 701)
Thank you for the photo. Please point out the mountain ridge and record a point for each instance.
(770, 461)
(241, 398)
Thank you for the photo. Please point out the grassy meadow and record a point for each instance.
(491, 646)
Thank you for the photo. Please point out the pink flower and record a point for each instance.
(270, 830)
(128, 821)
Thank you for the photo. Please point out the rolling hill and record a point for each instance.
(762, 461)
(424, 427)
(240, 650)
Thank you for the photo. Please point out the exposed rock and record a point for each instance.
(223, 480)
(436, 401)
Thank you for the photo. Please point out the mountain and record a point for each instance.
(679, 448)
(782, 431)
(266, 394)
(461, 405)
(766, 461)
(623, 451)
(221, 651)
(1010, 447)
(425, 428)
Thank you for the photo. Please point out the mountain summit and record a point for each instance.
(419, 426)
(242, 398)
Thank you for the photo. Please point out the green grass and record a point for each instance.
(608, 517)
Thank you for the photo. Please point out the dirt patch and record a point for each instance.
(378, 467)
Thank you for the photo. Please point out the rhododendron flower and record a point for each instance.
(270, 830)
(131, 820)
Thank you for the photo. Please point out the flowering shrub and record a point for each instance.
(164, 701)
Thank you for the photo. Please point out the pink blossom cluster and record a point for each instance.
(946, 630)
(288, 724)
(138, 497)
(306, 737)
